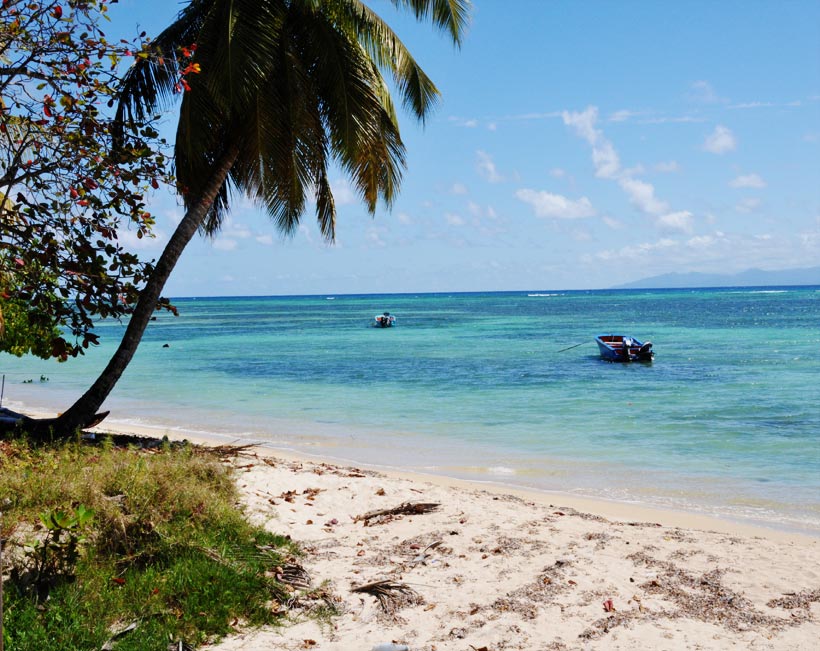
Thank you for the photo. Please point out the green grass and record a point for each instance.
(167, 547)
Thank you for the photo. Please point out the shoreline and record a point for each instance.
(624, 510)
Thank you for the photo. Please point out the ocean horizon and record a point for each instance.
(505, 387)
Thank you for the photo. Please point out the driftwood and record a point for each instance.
(406, 508)
(391, 594)
(11, 421)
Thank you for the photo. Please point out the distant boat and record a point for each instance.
(622, 348)
(385, 320)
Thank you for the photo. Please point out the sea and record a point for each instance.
(501, 387)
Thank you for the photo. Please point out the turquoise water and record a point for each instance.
(726, 420)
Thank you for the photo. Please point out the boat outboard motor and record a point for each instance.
(626, 344)
(646, 350)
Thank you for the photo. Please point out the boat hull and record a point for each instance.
(622, 348)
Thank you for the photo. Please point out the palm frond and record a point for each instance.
(451, 16)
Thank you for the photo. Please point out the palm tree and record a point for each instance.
(286, 88)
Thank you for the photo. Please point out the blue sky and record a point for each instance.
(577, 145)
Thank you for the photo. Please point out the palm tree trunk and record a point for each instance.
(82, 412)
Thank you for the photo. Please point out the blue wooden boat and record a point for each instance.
(622, 348)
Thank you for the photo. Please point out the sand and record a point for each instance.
(489, 570)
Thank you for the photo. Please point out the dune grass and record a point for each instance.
(100, 539)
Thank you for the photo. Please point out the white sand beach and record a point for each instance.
(491, 569)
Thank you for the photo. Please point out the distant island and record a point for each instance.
(748, 278)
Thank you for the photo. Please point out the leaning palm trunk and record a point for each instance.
(83, 411)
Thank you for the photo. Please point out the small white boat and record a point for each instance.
(385, 320)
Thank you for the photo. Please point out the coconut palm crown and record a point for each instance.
(292, 85)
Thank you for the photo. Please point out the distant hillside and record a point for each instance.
(748, 278)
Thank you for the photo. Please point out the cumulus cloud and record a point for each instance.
(748, 181)
(265, 239)
(454, 219)
(404, 218)
(486, 167)
(556, 206)
(720, 141)
(642, 195)
(677, 221)
(458, 188)
(604, 156)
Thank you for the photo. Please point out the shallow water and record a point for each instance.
(725, 421)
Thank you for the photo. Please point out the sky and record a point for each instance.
(577, 145)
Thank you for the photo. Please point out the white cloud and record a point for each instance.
(702, 242)
(343, 194)
(622, 115)
(374, 238)
(486, 167)
(556, 206)
(604, 156)
(479, 211)
(492, 126)
(748, 205)
(748, 181)
(720, 140)
(667, 166)
(265, 239)
(404, 218)
(702, 92)
(225, 244)
(453, 219)
(234, 230)
(467, 123)
(614, 224)
(633, 252)
(584, 123)
(458, 188)
(558, 173)
(673, 119)
(677, 221)
(607, 163)
(642, 194)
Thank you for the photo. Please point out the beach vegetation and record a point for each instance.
(130, 547)
(282, 90)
